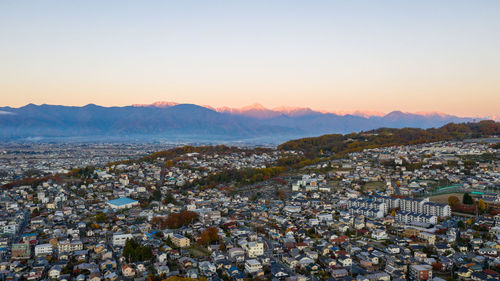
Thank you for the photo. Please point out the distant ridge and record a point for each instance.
(190, 122)
(257, 110)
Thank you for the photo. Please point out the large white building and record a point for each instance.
(409, 217)
(43, 249)
(69, 246)
(119, 239)
(252, 265)
(122, 203)
(368, 203)
(412, 205)
(253, 249)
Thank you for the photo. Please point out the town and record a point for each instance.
(415, 212)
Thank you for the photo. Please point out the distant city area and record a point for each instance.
(29, 159)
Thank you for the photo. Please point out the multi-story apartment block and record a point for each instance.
(254, 249)
(120, 239)
(180, 240)
(409, 217)
(43, 249)
(69, 246)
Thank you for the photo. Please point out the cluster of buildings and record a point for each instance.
(28, 159)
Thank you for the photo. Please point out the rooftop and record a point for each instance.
(121, 201)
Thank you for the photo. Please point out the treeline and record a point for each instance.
(134, 252)
(175, 220)
(176, 152)
(86, 172)
(249, 175)
(33, 182)
(338, 144)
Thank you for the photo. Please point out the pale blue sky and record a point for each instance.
(330, 55)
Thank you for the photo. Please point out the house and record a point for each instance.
(420, 272)
(236, 254)
(278, 271)
(345, 261)
(379, 234)
(128, 271)
(55, 271)
(207, 268)
(161, 268)
(252, 266)
(95, 276)
(339, 273)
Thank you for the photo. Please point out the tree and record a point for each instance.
(35, 213)
(169, 199)
(209, 235)
(281, 194)
(437, 266)
(467, 199)
(134, 252)
(481, 205)
(453, 201)
(169, 164)
(175, 220)
(156, 196)
(100, 217)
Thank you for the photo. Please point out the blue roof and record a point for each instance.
(121, 201)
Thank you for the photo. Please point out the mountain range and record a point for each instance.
(171, 121)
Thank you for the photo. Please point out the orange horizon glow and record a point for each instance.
(425, 56)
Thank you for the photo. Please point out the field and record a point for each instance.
(443, 198)
(198, 251)
(374, 185)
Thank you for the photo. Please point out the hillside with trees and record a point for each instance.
(337, 144)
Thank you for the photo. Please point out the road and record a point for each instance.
(22, 226)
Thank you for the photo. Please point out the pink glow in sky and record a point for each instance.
(327, 55)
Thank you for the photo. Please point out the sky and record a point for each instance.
(328, 55)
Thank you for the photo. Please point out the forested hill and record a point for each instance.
(340, 144)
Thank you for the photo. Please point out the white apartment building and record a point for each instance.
(119, 239)
(254, 249)
(409, 217)
(252, 265)
(69, 246)
(43, 249)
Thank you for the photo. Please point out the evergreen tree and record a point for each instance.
(467, 200)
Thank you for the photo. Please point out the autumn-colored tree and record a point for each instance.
(481, 205)
(209, 235)
(437, 266)
(281, 194)
(175, 220)
(453, 201)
